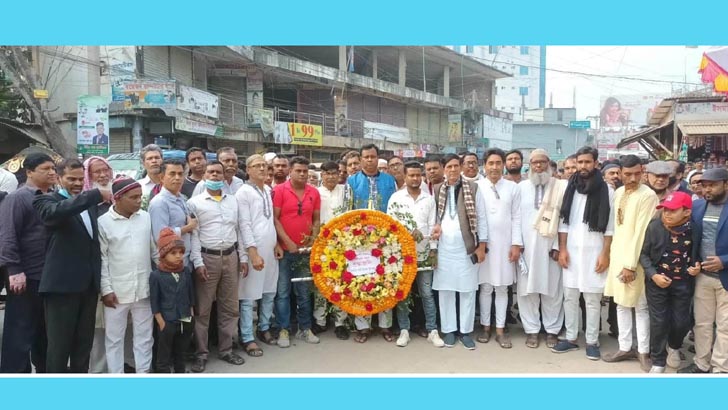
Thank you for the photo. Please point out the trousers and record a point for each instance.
(115, 320)
(624, 321)
(571, 315)
(70, 319)
(501, 304)
(449, 314)
(670, 318)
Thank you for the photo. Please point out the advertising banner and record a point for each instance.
(454, 127)
(92, 135)
(298, 134)
(386, 132)
(197, 101)
(147, 94)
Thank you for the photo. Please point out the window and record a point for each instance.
(559, 148)
(524, 70)
(457, 49)
(559, 115)
(523, 91)
(493, 49)
(469, 49)
(524, 50)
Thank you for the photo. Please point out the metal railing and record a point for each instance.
(235, 115)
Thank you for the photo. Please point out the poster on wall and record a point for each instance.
(254, 86)
(627, 111)
(454, 127)
(341, 115)
(92, 125)
(386, 132)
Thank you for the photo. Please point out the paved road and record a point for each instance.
(378, 356)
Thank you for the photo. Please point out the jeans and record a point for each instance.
(246, 316)
(293, 265)
(424, 285)
(670, 317)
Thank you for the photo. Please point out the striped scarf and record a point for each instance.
(469, 203)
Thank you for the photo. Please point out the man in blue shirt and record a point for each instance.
(371, 189)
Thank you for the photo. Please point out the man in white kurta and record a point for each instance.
(540, 289)
(503, 209)
(333, 203)
(462, 241)
(584, 256)
(636, 204)
(258, 236)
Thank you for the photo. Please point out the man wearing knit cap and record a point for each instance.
(635, 205)
(125, 237)
(541, 284)
(658, 177)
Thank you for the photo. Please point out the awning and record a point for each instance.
(30, 131)
(642, 135)
(703, 128)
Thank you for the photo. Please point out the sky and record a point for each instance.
(667, 64)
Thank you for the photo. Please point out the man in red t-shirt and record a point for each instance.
(296, 207)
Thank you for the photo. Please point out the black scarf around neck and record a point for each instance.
(596, 212)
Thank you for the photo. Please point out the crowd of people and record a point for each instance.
(104, 273)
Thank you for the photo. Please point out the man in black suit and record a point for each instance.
(100, 137)
(72, 272)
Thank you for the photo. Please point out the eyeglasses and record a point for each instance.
(395, 165)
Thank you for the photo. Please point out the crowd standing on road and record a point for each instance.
(108, 274)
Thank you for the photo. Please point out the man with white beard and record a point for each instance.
(98, 174)
(541, 284)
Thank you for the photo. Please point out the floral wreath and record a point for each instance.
(364, 262)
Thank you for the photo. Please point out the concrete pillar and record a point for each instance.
(446, 81)
(136, 134)
(342, 58)
(402, 69)
(94, 75)
(375, 64)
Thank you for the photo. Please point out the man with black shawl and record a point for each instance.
(585, 237)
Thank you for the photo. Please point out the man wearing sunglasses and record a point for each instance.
(296, 209)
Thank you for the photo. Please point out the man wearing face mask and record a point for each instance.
(231, 183)
(72, 272)
(215, 257)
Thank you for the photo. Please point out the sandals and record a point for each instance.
(361, 336)
(532, 340)
(388, 335)
(551, 340)
(504, 340)
(266, 337)
(252, 349)
(485, 336)
(232, 358)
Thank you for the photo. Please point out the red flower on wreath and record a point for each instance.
(347, 292)
(370, 286)
(363, 216)
(357, 232)
(399, 295)
(376, 252)
(408, 259)
(369, 307)
(380, 270)
(363, 287)
(336, 297)
(393, 228)
(347, 277)
(317, 268)
(326, 233)
(333, 265)
(392, 259)
(350, 255)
